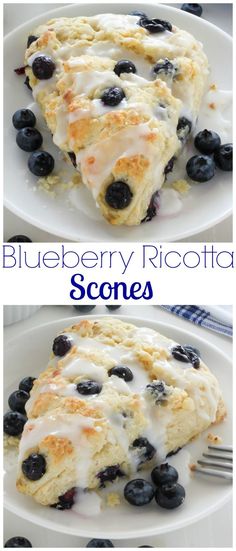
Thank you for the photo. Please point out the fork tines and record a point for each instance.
(221, 462)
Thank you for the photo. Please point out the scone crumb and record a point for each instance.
(213, 87)
(113, 499)
(192, 466)
(182, 186)
(214, 439)
(56, 183)
(212, 105)
(10, 442)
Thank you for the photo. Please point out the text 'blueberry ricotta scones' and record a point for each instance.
(114, 398)
(120, 95)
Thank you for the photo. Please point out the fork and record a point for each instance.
(221, 462)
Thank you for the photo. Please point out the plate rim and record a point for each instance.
(62, 234)
(50, 524)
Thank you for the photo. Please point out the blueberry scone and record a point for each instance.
(114, 398)
(120, 95)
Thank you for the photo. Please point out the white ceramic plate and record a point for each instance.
(28, 355)
(205, 205)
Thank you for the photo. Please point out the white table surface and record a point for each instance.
(219, 14)
(213, 531)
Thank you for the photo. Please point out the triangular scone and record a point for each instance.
(87, 437)
(124, 151)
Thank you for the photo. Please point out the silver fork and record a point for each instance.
(221, 462)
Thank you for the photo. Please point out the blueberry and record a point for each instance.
(122, 372)
(31, 39)
(148, 451)
(17, 400)
(194, 9)
(200, 168)
(170, 496)
(85, 308)
(158, 390)
(170, 165)
(43, 67)
(99, 543)
(224, 157)
(13, 423)
(138, 13)
(66, 501)
(124, 66)
(186, 355)
(34, 467)
(29, 139)
(27, 383)
(109, 474)
(112, 96)
(164, 67)
(61, 345)
(164, 474)
(26, 82)
(112, 306)
(118, 195)
(87, 388)
(18, 541)
(23, 118)
(138, 492)
(155, 25)
(184, 128)
(207, 141)
(19, 239)
(41, 163)
(72, 158)
(152, 208)
(190, 348)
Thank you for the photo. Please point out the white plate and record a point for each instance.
(84, 222)
(28, 355)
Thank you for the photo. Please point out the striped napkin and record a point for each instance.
(200, 317)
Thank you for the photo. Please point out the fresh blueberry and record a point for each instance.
(27, 383)
(118, 195)
(41, 163)
(224, 157)
(109, 474)
(99, 543)
(19, 239)
(184, 128)
(147, 450)
(152, 208)
(164, 474)
(194, 9)
(112, 96)
(158, 390)
(29, 139)
(31, 39)
(164, 67)
(122, 372)
(112, 306)
(66, 501)
(138, 492)
(17, 400)
(85, 308)
(186, 355)
(200, 168)
(87, 388)
(190, 348)
(138, 13)
(170, 496)
(155, 25)
(43, 67)
(23, 118)
(13, 423)
(26, 82)
(124, 66)
(61, 345)
(207, 141)
(34, 467)
(18, 541)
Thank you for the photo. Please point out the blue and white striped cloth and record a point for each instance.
(200, 317)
